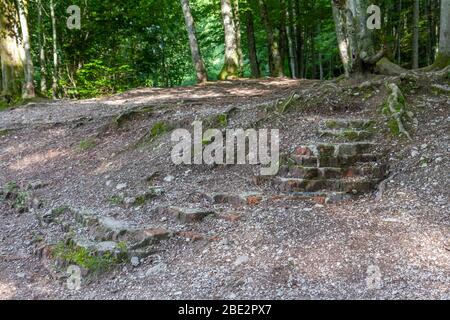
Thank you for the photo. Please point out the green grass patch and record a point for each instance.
(116, 200)
(3, 132)
(86, 144)
(85, 258)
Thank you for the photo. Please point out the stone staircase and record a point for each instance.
(348, 163)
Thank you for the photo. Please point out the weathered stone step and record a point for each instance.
(333, 161)
(335, 149)
(347, 134)
(318, 197)
(361, 124)
(354, 185)
(372, 169)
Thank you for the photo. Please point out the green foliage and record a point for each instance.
(97, 79)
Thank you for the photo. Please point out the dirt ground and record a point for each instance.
(393, 244)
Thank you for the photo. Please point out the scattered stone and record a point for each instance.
(145, 237)
(231, 217)
(188, 215)
(38, 184)
(156, 269)
(191, 235)
(135, 261)
(169, 178)
(241, 260)
(121, 186)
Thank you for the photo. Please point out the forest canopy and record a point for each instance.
(166, 43)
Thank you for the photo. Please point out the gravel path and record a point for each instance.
(395, 246)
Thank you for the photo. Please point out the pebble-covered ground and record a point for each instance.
(393, 243)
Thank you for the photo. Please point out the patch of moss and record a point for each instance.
(60, 210)
(332, 124)
(86, 144)
(73, 254)
(142, 199)
(3, 132)
(15, 197)
(351, 135)
(393, 127)
(116, 200)
(159, 129)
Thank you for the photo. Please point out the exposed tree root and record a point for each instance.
(386, 67)
(395, 109)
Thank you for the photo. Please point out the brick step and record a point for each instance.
(333, 161)
(361, 124)
(336, 149)
(369, 169)
(346, 134)
(354, 185)
(318, 197)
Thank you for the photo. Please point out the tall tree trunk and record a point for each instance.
(291, 41)
(28, 89)
(55, 51)
(197, 60)
(415, 62)
(319, 54)
(313, 53)
(429, 17)
(443, 56)
(355, 42)
(237, 27)
(276, 69)
(399, 33)
(41, 36)
(284, 50)
(11, 54)
(254, 64)
(230, 68)
(299, 39)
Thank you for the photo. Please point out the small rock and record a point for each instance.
(241, 260)
(109, 183)
(169, 178)
(135, 261)
(121, 186)
(156, 269)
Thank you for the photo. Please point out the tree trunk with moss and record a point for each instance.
(443, 57)
(197, 60)
(230, 68)
(11, 53)
(355, 41)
